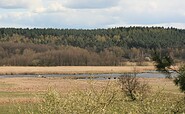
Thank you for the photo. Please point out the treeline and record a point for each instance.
(99, 39)
(65, 47)
(15, 54)
(21, 54)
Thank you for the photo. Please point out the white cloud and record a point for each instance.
(90, 4)
(19, 4)
(50, 7)
(92, 13)
(39, 10)
(151, 11)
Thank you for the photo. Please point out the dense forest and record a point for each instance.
(68, 47)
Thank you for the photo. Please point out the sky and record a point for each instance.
(91, 14)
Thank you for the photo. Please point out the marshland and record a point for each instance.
(99, 71)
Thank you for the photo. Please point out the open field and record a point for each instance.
(25, 92)
(25, 89)
(73, 69)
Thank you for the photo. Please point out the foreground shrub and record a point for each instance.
(91, 100)
(180, 79)
(51, 103)
(132, 88)
(162, 103)
(109, 100)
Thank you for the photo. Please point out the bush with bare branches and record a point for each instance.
(132, 87)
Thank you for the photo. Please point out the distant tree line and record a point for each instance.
(65, 47)
(27, 54)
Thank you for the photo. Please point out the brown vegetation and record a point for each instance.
(24, 90)
(72, 69)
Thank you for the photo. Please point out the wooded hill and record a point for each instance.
(50, 47)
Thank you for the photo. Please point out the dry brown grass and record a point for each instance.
(21, 100)
(37, 86)
(162, 84)
(40, 85)
(72, 69)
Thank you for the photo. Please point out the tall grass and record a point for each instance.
(109, 99)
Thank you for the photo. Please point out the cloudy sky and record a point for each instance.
(87, 14)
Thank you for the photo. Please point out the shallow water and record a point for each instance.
(150, 74)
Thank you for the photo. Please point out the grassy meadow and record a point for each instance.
(57, 95)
